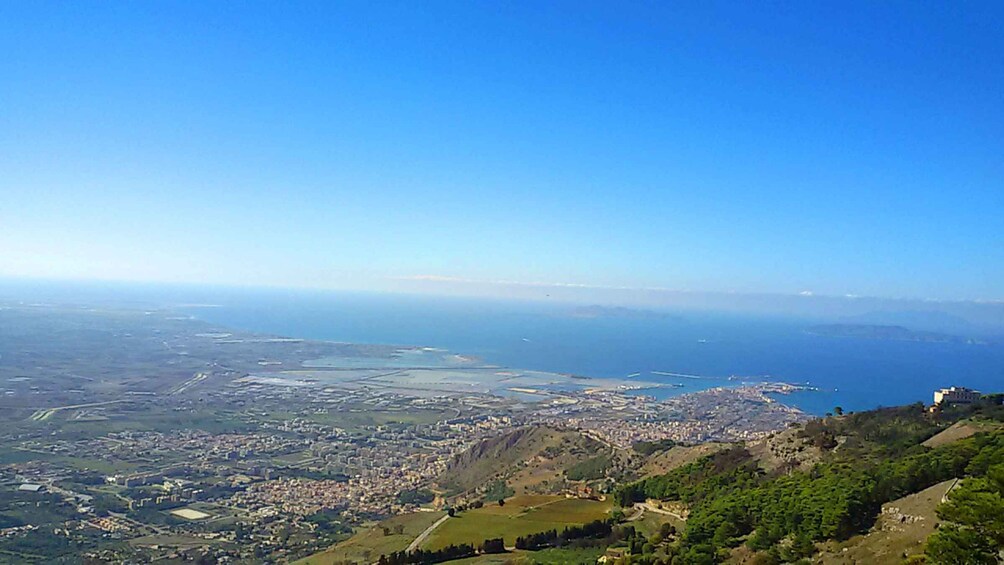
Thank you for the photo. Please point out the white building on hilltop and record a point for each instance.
(956, 395)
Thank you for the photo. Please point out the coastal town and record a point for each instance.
(244, 446)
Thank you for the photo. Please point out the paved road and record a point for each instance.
(421, 537)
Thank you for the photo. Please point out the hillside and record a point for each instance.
(366, 546)
(787, 450)
(529, 460)
(869, 487)
(663, 462)
(901, 529)
(867, 481)
(961, 430)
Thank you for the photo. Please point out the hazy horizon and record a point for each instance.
(952, 316)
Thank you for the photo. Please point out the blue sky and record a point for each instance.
(832, 147)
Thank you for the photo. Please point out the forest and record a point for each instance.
(733, 501)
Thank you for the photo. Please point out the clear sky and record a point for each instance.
(833, 147)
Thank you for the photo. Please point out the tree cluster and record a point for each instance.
(553, 538)
(975, 512)
(423, 557)
(416, 496)
(732, 501)
(650, 447)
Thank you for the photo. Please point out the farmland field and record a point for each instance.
(520, 516)
(368, 544)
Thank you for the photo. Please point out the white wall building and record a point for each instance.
(956, 395)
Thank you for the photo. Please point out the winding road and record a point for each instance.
(425, 534)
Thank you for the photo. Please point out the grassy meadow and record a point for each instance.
(521, 515)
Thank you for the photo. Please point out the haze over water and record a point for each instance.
(853, 373)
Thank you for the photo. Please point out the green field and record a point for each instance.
(651, 522)
(368, 544)
(520, 516)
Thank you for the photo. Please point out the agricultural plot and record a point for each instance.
(367, 545)
(520, 516)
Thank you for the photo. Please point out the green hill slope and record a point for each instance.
(779, 507)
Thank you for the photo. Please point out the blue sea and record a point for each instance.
(856, 374)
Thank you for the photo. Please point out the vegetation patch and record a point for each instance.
(590, 469)
(386, 537)
(520, 516)
(416, 496)
(732, 500)
(652, 447)
(497, 490)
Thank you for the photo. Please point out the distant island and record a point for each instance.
(886, 332)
